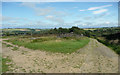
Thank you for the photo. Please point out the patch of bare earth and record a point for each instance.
(93, 58)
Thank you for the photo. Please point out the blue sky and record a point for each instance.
(59, 14)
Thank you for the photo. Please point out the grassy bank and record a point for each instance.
(52, 44)
(6, 62)
(0, 63)
(114, 47)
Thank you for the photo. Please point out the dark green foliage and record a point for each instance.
(43, 39)
(76, 30)
(115, 47)
(44, 32)
(15, 48)
(113, 36)
(9, 45)
(109, 34)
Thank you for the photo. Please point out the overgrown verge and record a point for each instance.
(0, 63)
(6, 64)
(113, 46)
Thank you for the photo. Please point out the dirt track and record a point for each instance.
(93, 58)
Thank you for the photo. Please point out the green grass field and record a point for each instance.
(52, 44)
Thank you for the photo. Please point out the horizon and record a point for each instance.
(42, 15)
(61, 27)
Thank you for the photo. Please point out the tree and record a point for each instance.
(32, 30)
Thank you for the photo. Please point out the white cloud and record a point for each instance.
(100, 11)
(6, 18)
(54, 19)
(60, 13)
(29, 4)
(75, 7)
(101, 15)
(100, 7)
(39, 11)
(107, 22)
(49, 16)
(79, 21)
(13, 21)
(84, 24)
(75, 25)
(40, 23)
(87, 18)
(44, 11)
(49, 13)
(81, 10)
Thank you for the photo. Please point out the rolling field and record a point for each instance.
(90, 29)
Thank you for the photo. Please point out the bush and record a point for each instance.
(39, 40)
(15, 48)
(43, 39)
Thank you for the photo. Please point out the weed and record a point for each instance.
(6, 63)
(15, 48)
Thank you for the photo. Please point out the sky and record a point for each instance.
(59, 14)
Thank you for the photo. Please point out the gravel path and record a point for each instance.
(93, 58)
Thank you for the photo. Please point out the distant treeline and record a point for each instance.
(41, 32)
(97, 32)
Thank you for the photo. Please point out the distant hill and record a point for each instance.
(20, 29)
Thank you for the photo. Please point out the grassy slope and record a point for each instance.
(5, 62)
(114, 47)
(62, 46)
(5, 67)
(0, 63)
